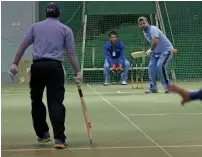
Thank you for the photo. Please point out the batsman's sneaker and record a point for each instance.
(45, 139)
(59, 144)
(123, 83)
(167, 92)
(106, 84)
(151, 91)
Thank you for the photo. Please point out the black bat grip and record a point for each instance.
(80, 91)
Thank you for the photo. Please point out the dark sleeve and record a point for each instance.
(196, 95)
(122, 55)
(107, 54)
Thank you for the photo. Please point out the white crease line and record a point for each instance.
(7, 93)
(161, 114)
(163, 101)
(101, 148)
(131, 122)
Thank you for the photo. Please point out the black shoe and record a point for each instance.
(45, 139)
(151, 91)
(60, 144)
(167, 92)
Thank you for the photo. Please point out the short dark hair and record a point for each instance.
(52, 10)
(113, 33)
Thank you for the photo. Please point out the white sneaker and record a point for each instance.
(123, 83)
(106, 84)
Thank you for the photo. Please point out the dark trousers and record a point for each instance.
(49, 74)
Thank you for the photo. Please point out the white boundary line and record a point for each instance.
(25, 91)
(131, 122)
(161, 114)
(101, 148)
(8, 93)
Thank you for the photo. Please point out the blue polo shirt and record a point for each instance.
(115, 51)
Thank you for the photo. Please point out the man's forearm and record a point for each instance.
(122, 60)
(153, 47)
(110, 60)
(122, 57)
(154, 44)
(73, 60)
(21, 50)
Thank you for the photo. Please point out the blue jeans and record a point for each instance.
(124, 75)
(157, 66)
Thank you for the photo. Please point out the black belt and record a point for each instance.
(45, 60)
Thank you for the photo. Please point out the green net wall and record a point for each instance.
(98, 28)
(109, 8)
(186, 27)
(102, 18)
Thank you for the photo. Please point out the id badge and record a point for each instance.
(113, 53)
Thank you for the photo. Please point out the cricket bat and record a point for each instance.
(86, 115)
(138, 54)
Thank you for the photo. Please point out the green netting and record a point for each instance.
(182, 20)
(98, 28)
(119, 7)
(185, 25)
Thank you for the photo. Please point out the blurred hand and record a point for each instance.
(78, 78)
(149, 52)
(119, 68)
(13, 71)
(113, 68)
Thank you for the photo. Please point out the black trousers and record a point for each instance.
(49, 74)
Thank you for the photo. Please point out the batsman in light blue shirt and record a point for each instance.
(160, 52)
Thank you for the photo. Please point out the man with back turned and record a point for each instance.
(49, 38)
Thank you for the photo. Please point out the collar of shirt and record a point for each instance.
(148, 29)
(114, 45)
(52, 18)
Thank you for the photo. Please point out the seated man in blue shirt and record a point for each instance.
(115, 58)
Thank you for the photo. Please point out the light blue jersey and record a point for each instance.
(164, 45)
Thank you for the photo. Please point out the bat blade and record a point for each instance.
(86, 115)
(138, 54)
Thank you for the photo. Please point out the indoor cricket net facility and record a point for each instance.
(125, 120)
